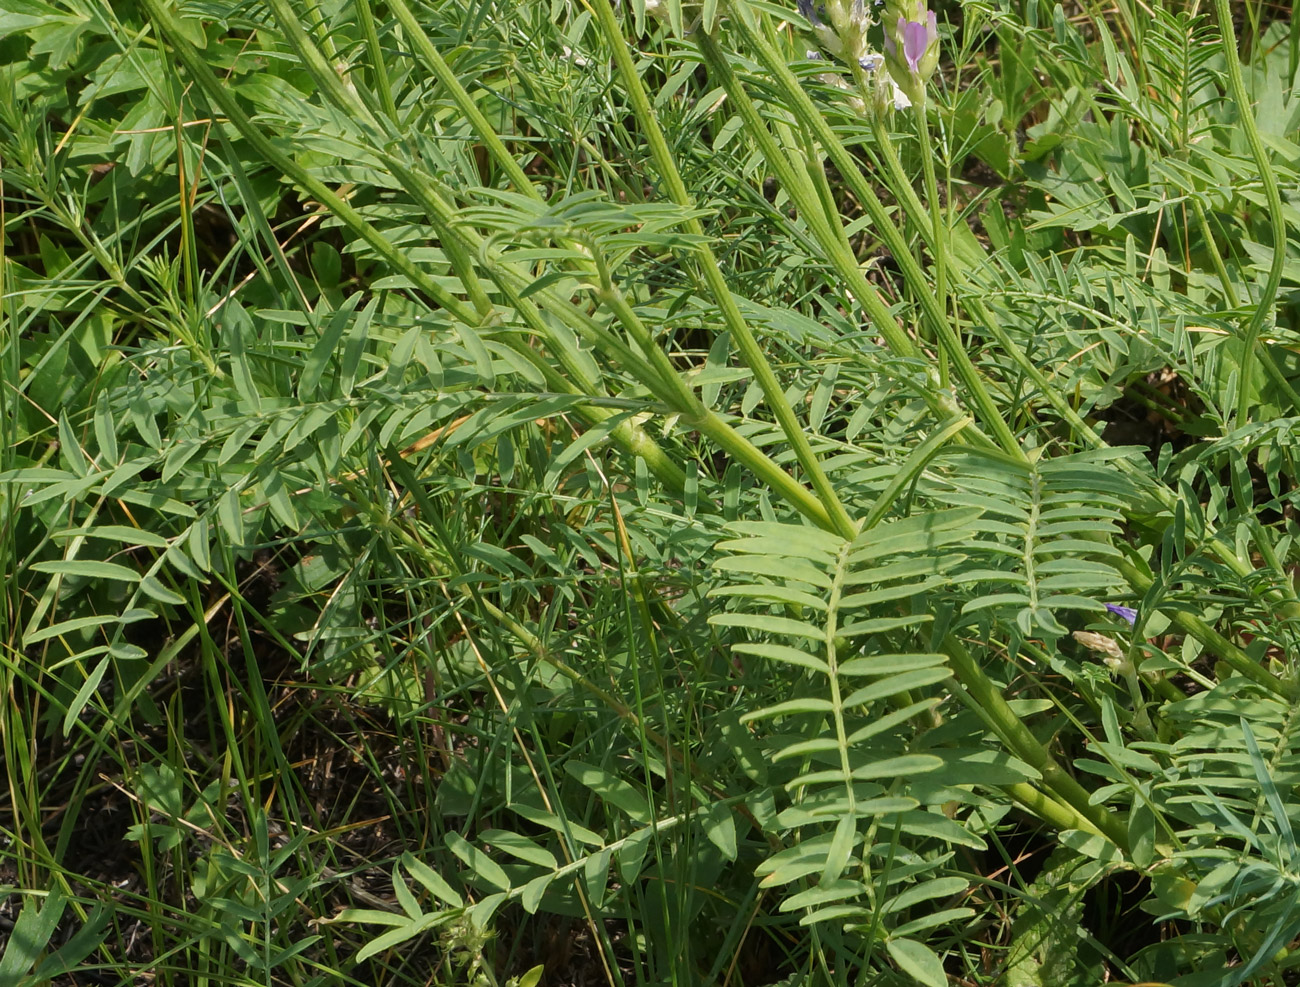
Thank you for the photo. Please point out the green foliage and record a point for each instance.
(540, 493)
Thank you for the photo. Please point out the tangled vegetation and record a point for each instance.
(553, 492)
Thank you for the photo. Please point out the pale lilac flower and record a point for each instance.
(917, 38)
(911, 45)
(841, 27)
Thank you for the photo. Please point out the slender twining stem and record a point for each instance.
(1277, 222)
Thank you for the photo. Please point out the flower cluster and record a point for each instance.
(911, 44)
(840, 27)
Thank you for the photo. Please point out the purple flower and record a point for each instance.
(917, 37)
(913, 45)
(1128, 613)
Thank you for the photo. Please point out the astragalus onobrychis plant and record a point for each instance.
(725, 493)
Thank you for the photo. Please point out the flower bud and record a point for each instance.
(911, 45)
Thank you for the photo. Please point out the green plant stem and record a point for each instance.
(464, 102)
(322, 71)
(1286, 603)
(833, 865)
(651, 365)
(538, 649)
(630, 438)
(647, 361)
(975, 684)
(219, 93)
(799, 104)
(1277, 221)
(916, 210)
(939, 245)
(657, 374)
(980, 694)
(708, 422)
(1216, 256)
(829, 232)
(366, 18)
(1058, 816)
(750, 352)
